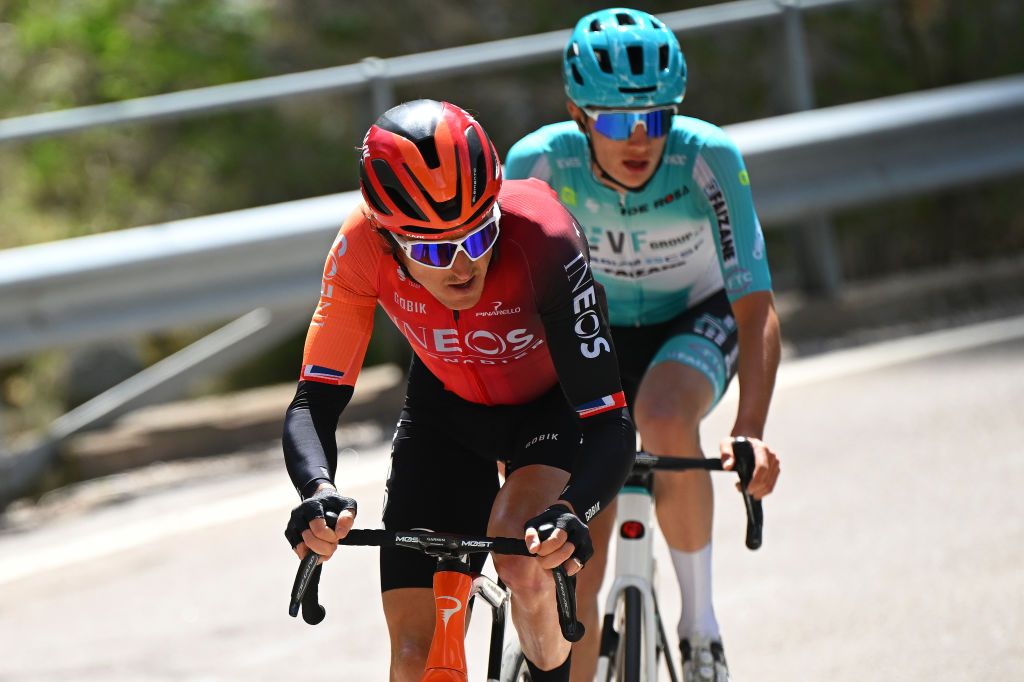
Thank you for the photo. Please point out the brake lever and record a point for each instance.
(743, 453)
(306, 588)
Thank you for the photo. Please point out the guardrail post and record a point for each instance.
(382, 92)
(814, 240)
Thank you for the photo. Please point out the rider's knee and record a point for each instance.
(523, 575)
(409, 656)
(665, 420)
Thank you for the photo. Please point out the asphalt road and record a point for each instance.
(894, 549)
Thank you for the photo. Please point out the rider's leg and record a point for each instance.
(435, 482)
(527, 492)
(588, 584)
(672, 399)
(409, 613)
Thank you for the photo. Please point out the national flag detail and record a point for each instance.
(608, 402)
(324, 375)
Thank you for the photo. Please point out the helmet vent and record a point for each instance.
(573, 50)
(636, 59)
(663, 57)
(595, 26)
(428, 150)
(603, 60)
(576, 75)
(625, 19)
(371, 193)
(638, 91)
(396, 193)
(476, 157)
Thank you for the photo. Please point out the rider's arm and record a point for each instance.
(335, 346)
(722, 176)
(575, 321)
(759, 351)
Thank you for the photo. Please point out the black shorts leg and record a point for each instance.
(434, 483)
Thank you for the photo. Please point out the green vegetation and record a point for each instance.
(56, 54)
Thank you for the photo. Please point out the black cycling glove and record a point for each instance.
(559, 516)
(327, 500)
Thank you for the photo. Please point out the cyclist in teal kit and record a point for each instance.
(665, 203)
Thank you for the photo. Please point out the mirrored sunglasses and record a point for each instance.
(441, 254)
(619, 125)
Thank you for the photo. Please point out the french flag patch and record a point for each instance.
(324, 375)
(609, 402)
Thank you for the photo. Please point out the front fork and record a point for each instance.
(634, 567)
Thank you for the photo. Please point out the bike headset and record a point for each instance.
(427, 170)
(622, 59)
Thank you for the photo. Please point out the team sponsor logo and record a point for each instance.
(408, 306)
(568, 196)
(715, 329)
(541, 438)
(713, 192)
(592, 205)
(480, 346)
(744, 177)
(498, 310)
(592, 512)
(738, 280)
(447, 613)
(572, 162)
(676, 159)
(587, 324)
(659, 203)
(476, 543)
(324, 375)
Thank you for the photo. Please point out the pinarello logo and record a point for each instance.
(498, 310)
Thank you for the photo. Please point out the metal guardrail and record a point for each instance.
(215, 267)
(379, 75)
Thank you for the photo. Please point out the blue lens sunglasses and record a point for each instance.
(619, 124)
(441, 254)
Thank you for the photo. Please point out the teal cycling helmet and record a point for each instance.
(623, 58)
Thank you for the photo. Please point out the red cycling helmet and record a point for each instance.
(428, 169)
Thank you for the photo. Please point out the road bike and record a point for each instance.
(454, 585)
(633, 640)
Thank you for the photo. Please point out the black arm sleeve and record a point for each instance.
(310, 447)
(574, 312)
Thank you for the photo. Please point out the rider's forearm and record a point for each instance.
(609, 444)
(759, 351)
(310, 448)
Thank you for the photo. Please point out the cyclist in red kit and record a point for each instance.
(513, 362)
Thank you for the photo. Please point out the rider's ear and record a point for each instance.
(576, 114)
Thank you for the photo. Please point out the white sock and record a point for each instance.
(693, 571)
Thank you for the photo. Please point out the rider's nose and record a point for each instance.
(462, 268)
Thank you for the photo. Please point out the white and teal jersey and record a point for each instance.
(689, 232)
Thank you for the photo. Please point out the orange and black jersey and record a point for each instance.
(540, 321)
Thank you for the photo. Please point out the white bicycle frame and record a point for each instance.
(634, 567)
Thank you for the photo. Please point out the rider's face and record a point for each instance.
(458, 287)
(632, 161)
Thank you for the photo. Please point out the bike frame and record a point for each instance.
(634, 550)
(634, 567)
(453, 585)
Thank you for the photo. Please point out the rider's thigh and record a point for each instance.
(528, 491)
(670, 403)
(409, 613)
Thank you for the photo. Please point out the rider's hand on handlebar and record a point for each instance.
(766, 466)
(558, 537)
(307, 530)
